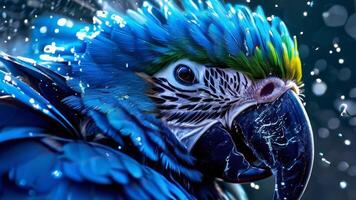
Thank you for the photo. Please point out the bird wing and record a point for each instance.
(42, 154)
(46, 167)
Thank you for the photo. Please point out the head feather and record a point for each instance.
(208, 32)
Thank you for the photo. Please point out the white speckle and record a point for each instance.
(43, 29)
(305, 13)
(62, 22)
(32, 101)
(69, 23)
(347, 142)
(7, 78)
(57, 173)
(343, 184)
(341, 61)
(319, 87)
(56, 30)
(255, 186)
(325, 161)
(36, 106)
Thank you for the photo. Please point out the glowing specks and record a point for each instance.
(57, 174)
(7, 78)
(119, 20)
(52, 48)
(324, 160)
(347, 142)
(343, 184)
(341, 61)
(254, 186)
(319, 87)
(43, 29)
(344, 109)
(62, 22)
(32, 101)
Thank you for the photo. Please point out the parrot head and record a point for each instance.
(223, 79)
(231, 96)
(239, 129)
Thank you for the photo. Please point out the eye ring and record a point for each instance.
(185, 75)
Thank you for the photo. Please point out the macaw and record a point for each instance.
(166, 101)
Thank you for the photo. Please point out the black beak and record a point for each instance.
(280, 136)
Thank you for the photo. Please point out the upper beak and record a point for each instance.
(280, 136)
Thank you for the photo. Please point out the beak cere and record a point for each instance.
(280, 136)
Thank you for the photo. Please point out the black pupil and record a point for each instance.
(185, 74)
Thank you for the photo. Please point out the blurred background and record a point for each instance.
(326, 31)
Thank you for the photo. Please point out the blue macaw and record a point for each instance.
(162, 102)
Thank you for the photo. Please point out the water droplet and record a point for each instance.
(335, 16)
(32, 101)
(57, 173)
(7, 78)
(43, 29)
(343, 184)
(62, 22)
(325, 161)
(319, 87)
(347, 142)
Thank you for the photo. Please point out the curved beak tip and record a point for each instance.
(281, 137)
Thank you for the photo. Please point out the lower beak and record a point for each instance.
(280, 136)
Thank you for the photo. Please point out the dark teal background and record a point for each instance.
(315, 43)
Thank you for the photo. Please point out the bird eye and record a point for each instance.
(185, 75)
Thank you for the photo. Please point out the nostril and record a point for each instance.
(267, 89)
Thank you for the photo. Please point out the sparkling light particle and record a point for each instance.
(347, 142)
(343, 184)
(62, 22)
